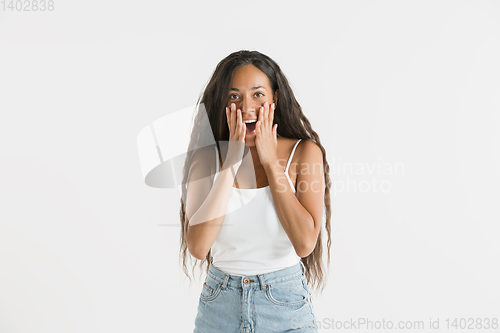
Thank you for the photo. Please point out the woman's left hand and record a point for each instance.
(266, 139)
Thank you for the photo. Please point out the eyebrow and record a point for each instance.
(254, 88)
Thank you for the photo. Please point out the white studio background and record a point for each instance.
(406, 93)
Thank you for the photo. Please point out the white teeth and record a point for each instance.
(250, 121)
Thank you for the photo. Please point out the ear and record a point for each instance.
(276, 94)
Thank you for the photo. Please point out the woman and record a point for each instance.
(261, 238)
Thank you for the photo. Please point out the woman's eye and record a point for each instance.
(259, 95)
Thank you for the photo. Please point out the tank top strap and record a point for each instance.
(216, 162)
(288, 166)
(291, 155)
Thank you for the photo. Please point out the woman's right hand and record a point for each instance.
(237, 133)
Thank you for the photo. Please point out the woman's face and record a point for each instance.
(250, 88)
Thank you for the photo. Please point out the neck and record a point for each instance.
(255, 158)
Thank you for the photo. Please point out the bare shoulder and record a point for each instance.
(204, 154)
(308, 151)
(310, 176)
(203, 160)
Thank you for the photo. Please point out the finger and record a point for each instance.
(266, 113)
(233, 118)
(261, 115)
(271, 114)
(243, 132)
(228, 117)
(257, 131)
(238, 122)
(240, 119)
(229, 122)
(241, 126)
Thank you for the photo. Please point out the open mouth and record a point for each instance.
(251, 127)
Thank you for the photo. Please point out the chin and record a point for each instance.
(250, 142)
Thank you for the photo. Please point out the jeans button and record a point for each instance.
(246, 280)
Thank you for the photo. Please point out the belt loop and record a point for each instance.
(224, 284)
(262, 282)
(303, 267)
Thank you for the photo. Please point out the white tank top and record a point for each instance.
(251, 239)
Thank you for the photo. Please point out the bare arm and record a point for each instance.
(206, 205)
(301, 215)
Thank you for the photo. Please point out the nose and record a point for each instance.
(247, 106)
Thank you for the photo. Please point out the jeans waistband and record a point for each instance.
(260, 280)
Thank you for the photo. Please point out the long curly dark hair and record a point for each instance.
(291, 124)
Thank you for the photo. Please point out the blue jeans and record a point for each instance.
(274, 302)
